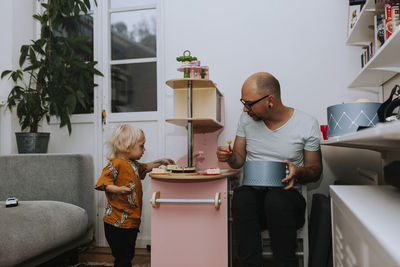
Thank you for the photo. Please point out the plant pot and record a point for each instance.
(32, 142)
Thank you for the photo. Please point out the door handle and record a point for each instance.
(156, 200)
(103, 116)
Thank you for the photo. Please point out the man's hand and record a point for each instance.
(235, 158)
(310, 173)
(292, 176)
(223, 154)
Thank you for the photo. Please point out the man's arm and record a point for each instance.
(234, 158)
(311, 171)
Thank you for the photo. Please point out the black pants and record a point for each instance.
(122, 243)
(278, 210)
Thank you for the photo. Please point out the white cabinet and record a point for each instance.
(365, 226)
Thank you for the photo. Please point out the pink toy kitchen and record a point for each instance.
(191, 200)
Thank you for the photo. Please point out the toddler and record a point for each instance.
(121, 182)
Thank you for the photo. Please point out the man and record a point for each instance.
(270, 131)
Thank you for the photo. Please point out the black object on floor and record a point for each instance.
(320, 233)
(391, 173)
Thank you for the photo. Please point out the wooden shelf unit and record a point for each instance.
(386, 62)
(206, 102)
(199, 107)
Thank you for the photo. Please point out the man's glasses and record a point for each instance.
(248, 105)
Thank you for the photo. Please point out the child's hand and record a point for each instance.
(158, 163)
(166, 161)
(118, 189)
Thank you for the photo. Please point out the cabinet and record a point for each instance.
(187, 228)
(365, 228)
(386, 62)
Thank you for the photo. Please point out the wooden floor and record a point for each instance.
(92, 256)
(98, 256)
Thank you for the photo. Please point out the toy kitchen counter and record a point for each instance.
(190, 219)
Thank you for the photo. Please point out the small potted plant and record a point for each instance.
(54, 75)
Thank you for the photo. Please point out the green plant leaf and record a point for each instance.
(70, 101)
(24, 53)
(16, 75)
(31, 67)
(37, 17)
(4, 73)
(83, 7)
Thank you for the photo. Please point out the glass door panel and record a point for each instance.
(134, 87)
(133, 34)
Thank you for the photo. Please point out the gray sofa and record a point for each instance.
(56, 210)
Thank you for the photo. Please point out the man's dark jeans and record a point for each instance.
(278, 210)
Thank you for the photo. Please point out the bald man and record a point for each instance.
(271, 131)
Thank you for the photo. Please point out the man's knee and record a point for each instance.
(244, 203)
(288, 206)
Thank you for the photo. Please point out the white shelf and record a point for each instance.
(382, 67)
(196, 83)
(199, 124)
(383, 137)
(386, 62)
(361, 34)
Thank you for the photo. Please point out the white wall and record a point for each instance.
(18, 29)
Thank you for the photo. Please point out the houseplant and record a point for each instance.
(55, 74)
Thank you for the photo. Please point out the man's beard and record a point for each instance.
(255, 117)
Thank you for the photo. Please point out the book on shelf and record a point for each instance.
(371, 49)
(364, 56)
(388, 20)
(396, 16)
(392, 18)
(379, 31)
(367, 53)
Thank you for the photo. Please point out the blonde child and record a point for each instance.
(121, 182)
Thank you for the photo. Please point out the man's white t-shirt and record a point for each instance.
(301, 132)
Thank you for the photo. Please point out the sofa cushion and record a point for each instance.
(34, 227)
(60, 177)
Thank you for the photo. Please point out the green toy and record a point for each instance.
(186, 57)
